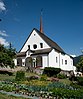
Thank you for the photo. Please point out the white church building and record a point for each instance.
(39, 51)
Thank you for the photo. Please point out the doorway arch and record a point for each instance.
(28, 63)
(39, 61)
(19, 62)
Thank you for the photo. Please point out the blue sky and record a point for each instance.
(62, 22)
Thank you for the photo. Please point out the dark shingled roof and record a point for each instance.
(21, 54)
(50, 42)
(43, 51)
(35, 52)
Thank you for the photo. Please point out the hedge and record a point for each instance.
(20, 76)
(51, 71)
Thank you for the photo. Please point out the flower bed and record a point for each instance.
(54, 89)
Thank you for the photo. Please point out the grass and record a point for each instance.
(6, 77)
(27, 74)
(36, 82)
(5, 96)
(65, 81)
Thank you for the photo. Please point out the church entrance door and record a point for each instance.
(39, 61)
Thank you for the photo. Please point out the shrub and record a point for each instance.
(20, 76)
(61, 76)
(51, 71)
(80, 80)
(43, 78)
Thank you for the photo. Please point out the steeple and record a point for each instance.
(41, 25)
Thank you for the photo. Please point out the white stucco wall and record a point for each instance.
(15, 62)
(69, 65)
(34, 39)
(52, 59)
(45, 60)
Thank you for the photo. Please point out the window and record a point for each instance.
(41, 45)
(23, 63)
(34, 46)
(28, 46)
(56, 60)
(65, 62)
(71, 62)
(62, 61)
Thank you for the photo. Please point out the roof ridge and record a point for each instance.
(50, 42)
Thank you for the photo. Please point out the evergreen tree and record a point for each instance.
(6, 56)
(80, 65)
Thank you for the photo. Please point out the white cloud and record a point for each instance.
(3, 42)
(3, 33)
(2, 6)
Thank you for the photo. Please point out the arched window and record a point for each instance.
(19, 62)
(34, 46)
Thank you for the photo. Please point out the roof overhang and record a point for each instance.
(21, 54)
(43, 51)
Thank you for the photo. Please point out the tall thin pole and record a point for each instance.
(41, 24)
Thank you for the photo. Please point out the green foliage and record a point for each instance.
(6, 56)
(80, 65)
(67, 94)
(43, 78)
(61, 76)
(55, 89)
(76, 86)
(80, 81)
(20, 76)
(50, 71)
(7, 88)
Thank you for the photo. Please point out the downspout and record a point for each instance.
(48, 60)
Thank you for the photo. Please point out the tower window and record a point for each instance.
(34, 46)
(41, 45)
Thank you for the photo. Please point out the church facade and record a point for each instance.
(39, 51)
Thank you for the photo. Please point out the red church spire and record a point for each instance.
(41, 25)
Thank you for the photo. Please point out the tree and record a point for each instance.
(80, 65)
(6, 56)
